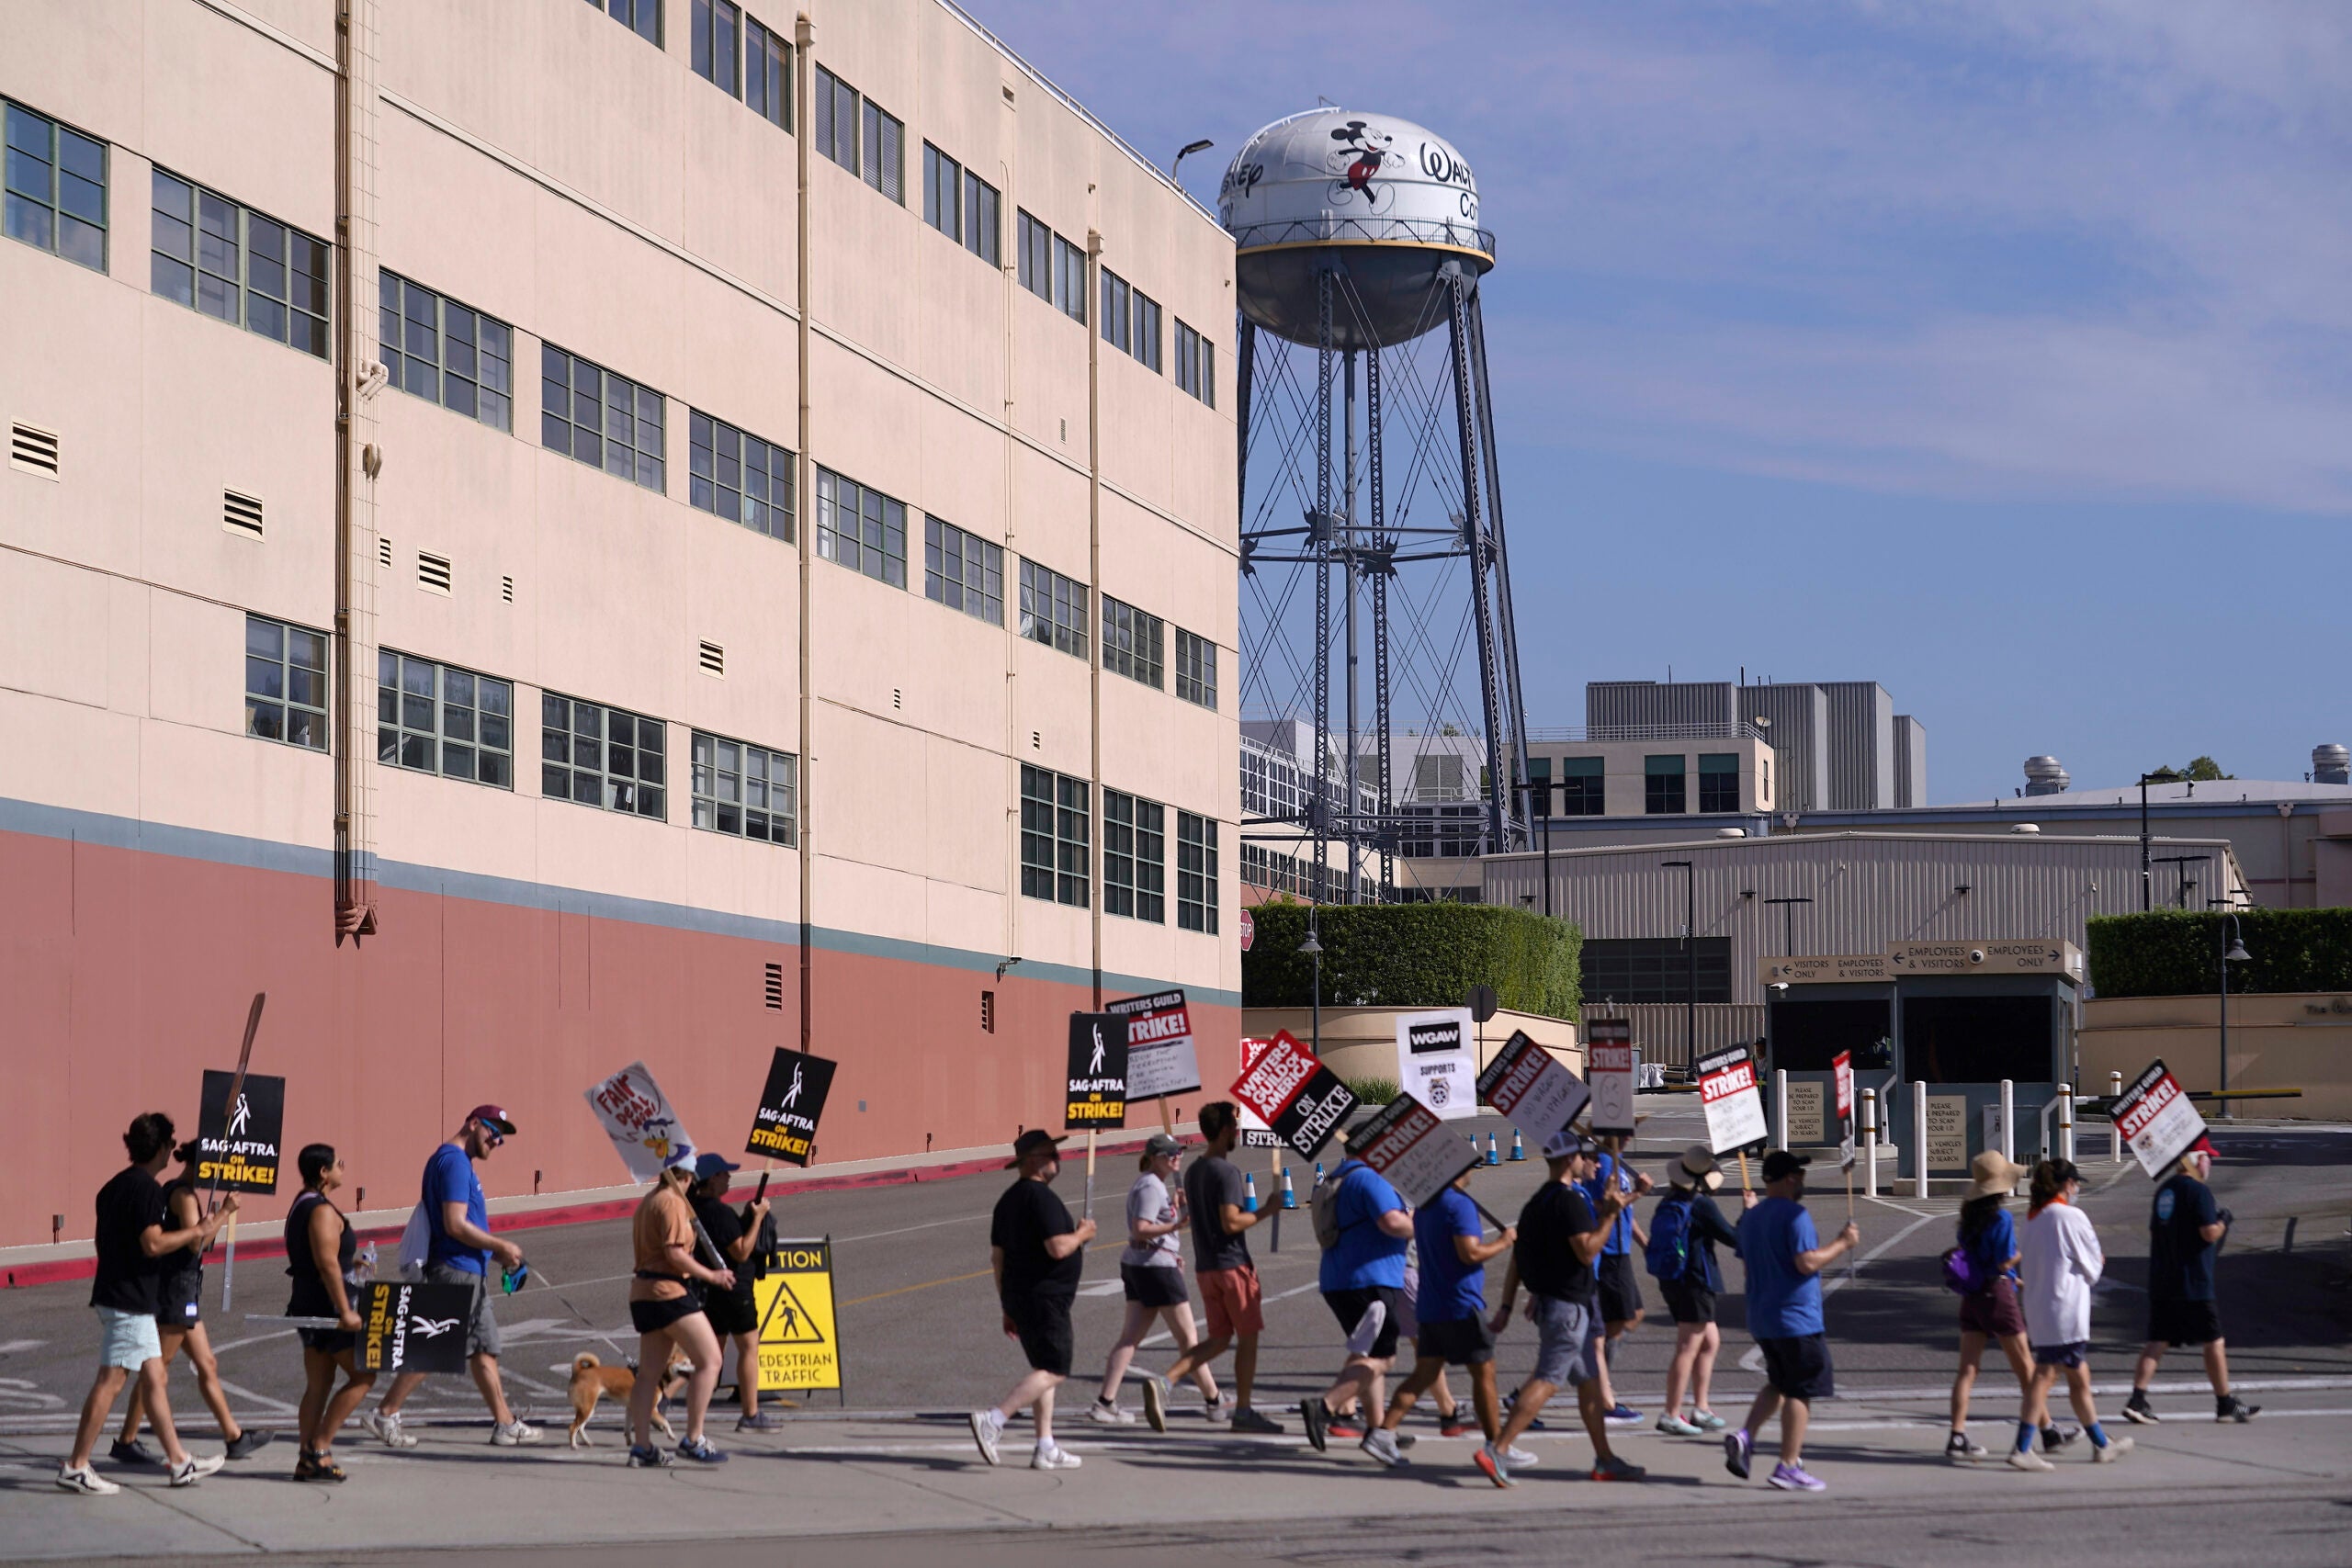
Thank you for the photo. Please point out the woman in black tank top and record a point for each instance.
(179, 1290)
(319, 1249)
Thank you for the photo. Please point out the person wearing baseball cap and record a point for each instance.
(457, 1218)
(1037, 1253)
(1785, 1257)
(1685, 1229)
(735, 1235)
(2185, 1231)
(1151, 1272)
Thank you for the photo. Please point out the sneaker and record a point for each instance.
(765, 1421)
(1105, 1414)
(2111, 1450)
(1960, 1450)
(2026, 1459)
(1787, 1477)
(2054, 1437)
(86, 1481)
(1155, 1404)
(645, 1456)
(1496, 1467)
(1708, 1421)
(1676, 1426)
(1738, 1448)
(987, 1427)
(250, 1441)
(1218, 1413)
(1316, 1416)
(1510, 1403)
(1518, 1458)
(1624, 1416)
(1381, 1444)
(699, 1450)
(387, 1428)
(1349, 1428)
(2230, 1407)
(1455, 1425)
(2138, 1411)
(190, 1471)
(1053, 1456)
(1404, 1439)
(1248, 1421)
(1614, 1468)
(515, 1434)
(133, 1452)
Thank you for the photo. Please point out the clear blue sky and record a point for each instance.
(2000, 351)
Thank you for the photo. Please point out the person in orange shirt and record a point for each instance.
(665, 1302)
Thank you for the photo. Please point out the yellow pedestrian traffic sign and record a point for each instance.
(800, 1347)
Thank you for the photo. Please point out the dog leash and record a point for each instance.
(541, 1275)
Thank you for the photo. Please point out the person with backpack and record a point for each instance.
(2062, 1260)
(1981, 1269)
(1364, 1228)
(1685, 1229)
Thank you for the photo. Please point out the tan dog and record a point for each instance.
(591, 1380)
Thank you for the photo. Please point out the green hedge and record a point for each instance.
(2176, 952)
(1414, 955)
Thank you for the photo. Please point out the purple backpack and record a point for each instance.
(1962, 1276)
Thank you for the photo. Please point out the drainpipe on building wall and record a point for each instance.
(1009, 279)
(359, 377)
(804, 35)
(1094, 576)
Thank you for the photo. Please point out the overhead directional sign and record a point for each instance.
(1986, 958)
(1823, 969)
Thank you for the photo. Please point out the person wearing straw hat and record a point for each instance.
(1037, 1253)
(1989, 1309)
(1785, 1257)
(1685, 1229)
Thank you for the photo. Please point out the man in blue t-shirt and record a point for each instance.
(1619, 1292)
(2185, 1230)
(459, 1251)
(1452, 1307)
(1785, 1257)
(1361, 1278)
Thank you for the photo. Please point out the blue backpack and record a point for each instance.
(1669, 1252)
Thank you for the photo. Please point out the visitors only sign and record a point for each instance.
(2157, 1118)
(1160, 1059)
(1303, 1100)
(785, 1125)
(1098, 1071)
(1534, 1093)
(1727, 1091)
(237, 1145)
(800, 1347)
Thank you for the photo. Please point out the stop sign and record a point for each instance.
(1249, 931)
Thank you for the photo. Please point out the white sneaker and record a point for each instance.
(1221, 1412)
(987, 1427)
(1054, 1456)
(515, 1434)
(1381, 1444)
(2026, 1459)
(1104, 1415)
(2113, 1449)
(86, 1481)
(193, 1470)
(1518, 1458)
(388, 1428)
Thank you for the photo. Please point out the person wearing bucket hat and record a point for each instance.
(1785, 1257)
(1037, 1253)
(1151, 1272)
(1685, 1229)
(1983, 1269)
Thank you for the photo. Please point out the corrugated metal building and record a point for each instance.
(1799, 732)
(1862, 746)
(1910, 761)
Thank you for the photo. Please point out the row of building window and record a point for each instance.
(1130, 319)
(1053, 609)
(860, 528)
(447, 353)
(1272, 871)
(1051, 267)
(862, 137)
(240, 265)
(961, 205)
(1196, 364)
(1056, 849)
(642, 17)
(759, 71)
(56, 185)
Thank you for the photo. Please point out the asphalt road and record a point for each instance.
(921, 1344)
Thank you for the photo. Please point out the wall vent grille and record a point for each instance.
(713, 660)
(433, 573)
(33, 450)
(240, 513)
(774, 987)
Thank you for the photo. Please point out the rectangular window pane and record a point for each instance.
(601, 419)
(1053, 609)
(626, 773)
(56, 188)
(738, 475)
(743, 790)
(285, 683)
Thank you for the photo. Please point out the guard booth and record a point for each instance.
(1959, 1017)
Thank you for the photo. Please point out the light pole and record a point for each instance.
(1690, 950)
(1532, 789)
(1789, 923)
(1313, 948)
(2147, 875)
(2232, 953)
(2184, 861)
(1203, 145)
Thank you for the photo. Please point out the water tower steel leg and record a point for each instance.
(1245, 376)
(1506, 617)
(1473, 535)
(1382, 724)
(1347, 558)
(1319, 801)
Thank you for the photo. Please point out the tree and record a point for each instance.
(2200, 769)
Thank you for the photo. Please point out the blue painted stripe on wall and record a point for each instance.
(264, 854)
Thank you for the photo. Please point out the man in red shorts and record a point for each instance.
(1229, 1292)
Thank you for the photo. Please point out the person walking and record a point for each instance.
(320, 1252)
(1037, 1253)
(1559, 1236)
(459, 1253)
(1364, 1229)
(133, 1234)
(1230, 1296)
(675, 1269)
(2185, 1231)
(2062, 1260)
(734, 1312)
(1621, 1292)
(179, 1289)
(1451, 1309)
(1685, 1228)
(1151, 1272)
(1989, 1313)
(1785, 1257)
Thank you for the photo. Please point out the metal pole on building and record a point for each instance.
(2147, 875)
(2067, 1122)
(1691, 955)
(1781, 1105)
(2008, 1121)
(2234, 952)
(2114, 1127)
(1788, 923)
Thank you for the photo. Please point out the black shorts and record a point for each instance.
(177, 1303)
(2183, 1323)
(651, 1317)
(1621, 1293)
(1149, 1285)
(1688, 1301)
(1042, 1325)
(1458, 1342)
(731, 1311)
(1349, 1307)
(1798, 1368)
(329, 1341)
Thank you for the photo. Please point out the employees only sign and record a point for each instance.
(1160, 1059)
(1098, 1071)
(1410, 1144)
(1727, 1091)
(1303, 1100)
(1534, 1093)
(2157, 1118)
(784, 1127)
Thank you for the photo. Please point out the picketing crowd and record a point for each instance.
(1390, 1274)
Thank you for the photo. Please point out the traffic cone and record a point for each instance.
(1289, 1198)
(1516, 1153)
(1319, 1173)
(1248, 1191)
(1494, 1151)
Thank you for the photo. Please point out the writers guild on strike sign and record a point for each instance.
(1160, 1058)
(237, 1145)
(1534, 1093)
(784, 1127)
(1098, 1071)
(2157, 1120)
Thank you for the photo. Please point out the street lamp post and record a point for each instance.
(1789, 923)
(1690, 952)
(1313, 948)
(2147, 873)
(1530, 789)
(2184, 861)
(2232, 951)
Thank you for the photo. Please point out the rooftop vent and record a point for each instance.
(1731, 832)
(2044, 776)
(2025, 826)
(2331, 763)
